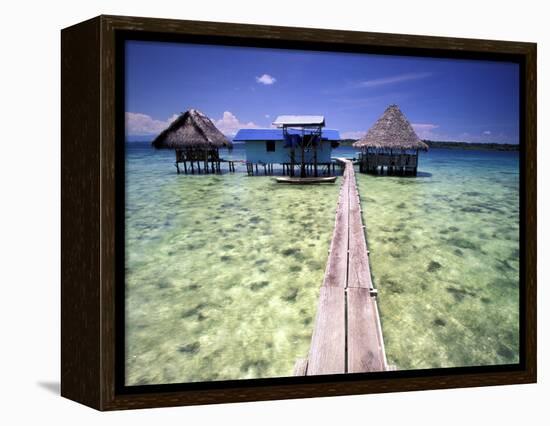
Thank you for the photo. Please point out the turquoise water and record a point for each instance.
(445, 259)
(223, 272)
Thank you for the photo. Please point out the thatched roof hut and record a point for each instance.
(391, 145)
(392, 131)
(192, 129)
(196, 140)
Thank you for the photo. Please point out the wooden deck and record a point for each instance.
(347, 337)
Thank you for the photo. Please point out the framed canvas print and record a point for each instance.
(253, 212)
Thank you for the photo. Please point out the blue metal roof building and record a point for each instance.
(269, 145)
(277, 134)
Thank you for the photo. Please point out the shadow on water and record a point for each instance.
(423, 175)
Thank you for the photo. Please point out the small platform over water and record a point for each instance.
(347, 337)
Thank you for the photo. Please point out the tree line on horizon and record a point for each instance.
(456, 145)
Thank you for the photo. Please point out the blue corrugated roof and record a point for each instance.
(277, 134)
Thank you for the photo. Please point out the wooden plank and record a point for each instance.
(364, 334)
(365, 343)
(327, 352)
(358, 265)
(351, 274)
(300, 367)
(337, 263)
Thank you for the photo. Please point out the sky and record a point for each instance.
(243, 87)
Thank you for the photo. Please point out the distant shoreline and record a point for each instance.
(473, 146)
(432, 144)
(458, 145)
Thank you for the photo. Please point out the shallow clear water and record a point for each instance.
(223, 272)
(445, 259)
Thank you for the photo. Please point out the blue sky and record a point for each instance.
(237, 87)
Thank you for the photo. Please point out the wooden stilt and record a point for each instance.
(315, 174)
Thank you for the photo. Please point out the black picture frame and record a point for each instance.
(92, 200)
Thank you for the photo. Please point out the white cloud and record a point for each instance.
(353, 134)
(267, 116)
(138, 124)
(425, 130)
(229, 124)
(394, 79)
(428, 131)
(490, 137)
(266, 79)
(424, 126)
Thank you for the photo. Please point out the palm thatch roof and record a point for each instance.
(391, 131)
(191, 129)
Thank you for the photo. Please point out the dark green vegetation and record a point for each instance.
(347, 142)
(457, 145)
(473, 146)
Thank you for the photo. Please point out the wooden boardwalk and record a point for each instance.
(347, 337)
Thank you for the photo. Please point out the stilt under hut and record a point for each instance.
(390, 146)
(196, 141)
(303, 136)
